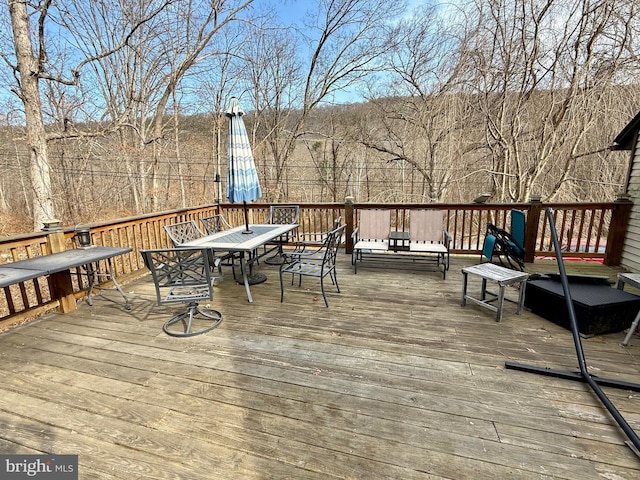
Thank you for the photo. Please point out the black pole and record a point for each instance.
(584, 373)
(246, 219)
(578, 343)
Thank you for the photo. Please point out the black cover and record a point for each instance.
(599, 308)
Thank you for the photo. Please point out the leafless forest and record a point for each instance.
(112, 109)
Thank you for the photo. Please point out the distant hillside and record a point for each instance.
(402, 149)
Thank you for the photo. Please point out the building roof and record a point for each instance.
(624, 140)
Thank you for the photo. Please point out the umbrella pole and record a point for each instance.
(246, 219)
(251, 278)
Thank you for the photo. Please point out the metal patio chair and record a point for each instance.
(215, 224)
(281, 215)
(182, 232)
(318, 263)
(184, 275)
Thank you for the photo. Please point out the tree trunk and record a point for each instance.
(36, 135)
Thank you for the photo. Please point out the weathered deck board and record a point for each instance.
(394, 380)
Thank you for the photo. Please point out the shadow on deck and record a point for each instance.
(394, 380)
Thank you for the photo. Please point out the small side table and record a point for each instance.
(503, 277)
(632, 279)
(399, 241)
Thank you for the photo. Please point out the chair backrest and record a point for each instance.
(374, 224)
(214, 224)
(426, 225)
(182, 232)
(331, 245)
(518, 226)
(180, 274)
(488, 246)
(283, 214)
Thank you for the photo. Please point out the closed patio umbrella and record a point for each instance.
(242, 177)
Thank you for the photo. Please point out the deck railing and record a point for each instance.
(587, 231)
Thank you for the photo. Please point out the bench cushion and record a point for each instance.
(427, 247)
(372, 245)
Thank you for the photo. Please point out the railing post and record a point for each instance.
(617, 229)
(350, 221)
(55, 236)
(531, 229)
(60, 283)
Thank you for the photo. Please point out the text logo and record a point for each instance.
(50, 467)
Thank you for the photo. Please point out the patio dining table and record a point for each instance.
(237, 240)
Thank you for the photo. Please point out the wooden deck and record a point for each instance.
(395, 380)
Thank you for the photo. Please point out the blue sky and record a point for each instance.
(290, 11)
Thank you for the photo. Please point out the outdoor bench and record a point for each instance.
(426, 242)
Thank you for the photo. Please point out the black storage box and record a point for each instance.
(599, 308)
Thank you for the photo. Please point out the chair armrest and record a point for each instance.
(447, 238)
(290, 258)
(306, 239)
(302, 255)
(354, 235)
(303, 236)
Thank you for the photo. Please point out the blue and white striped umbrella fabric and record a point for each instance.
(242, 177)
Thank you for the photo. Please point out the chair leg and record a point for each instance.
(334, 279)
(277, 258)
(324, 296)
(282, 287)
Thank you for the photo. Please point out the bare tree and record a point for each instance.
(539, 70)
(222, 81)
(273, 75)
(341, 44)
(333, 156)
(163, 55)
(418, 112)
(128, 62)
(33, 43)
